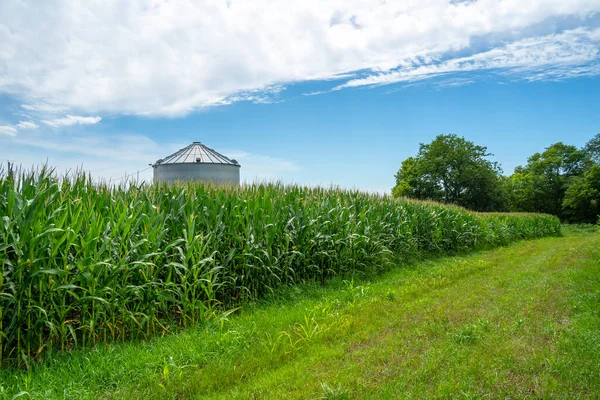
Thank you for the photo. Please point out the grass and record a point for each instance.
(516, 322)
(83, 264)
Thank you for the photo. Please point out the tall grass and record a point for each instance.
(83, 263)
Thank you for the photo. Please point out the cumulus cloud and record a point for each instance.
(160, 57)
(27, 125)
(8, 130)
(72, 120)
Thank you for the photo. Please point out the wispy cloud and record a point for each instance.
(109, 157)
(261, 167)
(455, 82)
(316, 93)
(44, 108)
(8, 130)
(27, 125)
(558, 56)
(190, 55)
(114, 146)
(72, 120)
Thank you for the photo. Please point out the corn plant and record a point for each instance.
(84, 263)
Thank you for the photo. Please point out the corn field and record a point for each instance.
(84, 263)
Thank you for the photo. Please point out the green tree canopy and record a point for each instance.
(582, 198)
(452, 169)
(592, 149)
(540, 186)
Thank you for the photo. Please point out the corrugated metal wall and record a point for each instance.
(216, 173)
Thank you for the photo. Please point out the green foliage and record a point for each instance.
(582, 199)
(83, 264)
(523, 191)
(514, 321)
(562, 180)
(334, 393)
(451, 170)
(592, 148)
(540, 186)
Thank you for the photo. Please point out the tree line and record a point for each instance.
(563, 180)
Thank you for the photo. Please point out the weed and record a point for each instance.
(334, 393)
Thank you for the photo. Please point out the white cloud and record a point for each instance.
(7, 130)
(256, 167)
(555, 55)
(105, 157)
(172, 57)
(72, 120)
(113, 156)
(121, 147)
(45, 108)
(27, 125)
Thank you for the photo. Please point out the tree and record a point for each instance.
(451, 169)
(592, 149)
(540, 186)
(582, 198)
(523, 191)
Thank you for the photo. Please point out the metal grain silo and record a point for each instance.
(197, 162)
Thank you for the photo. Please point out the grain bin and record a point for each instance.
(199, 163)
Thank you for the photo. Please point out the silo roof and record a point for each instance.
(196, 153)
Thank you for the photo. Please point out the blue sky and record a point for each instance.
(318, 92)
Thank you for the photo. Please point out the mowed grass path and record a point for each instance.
(517, 322)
